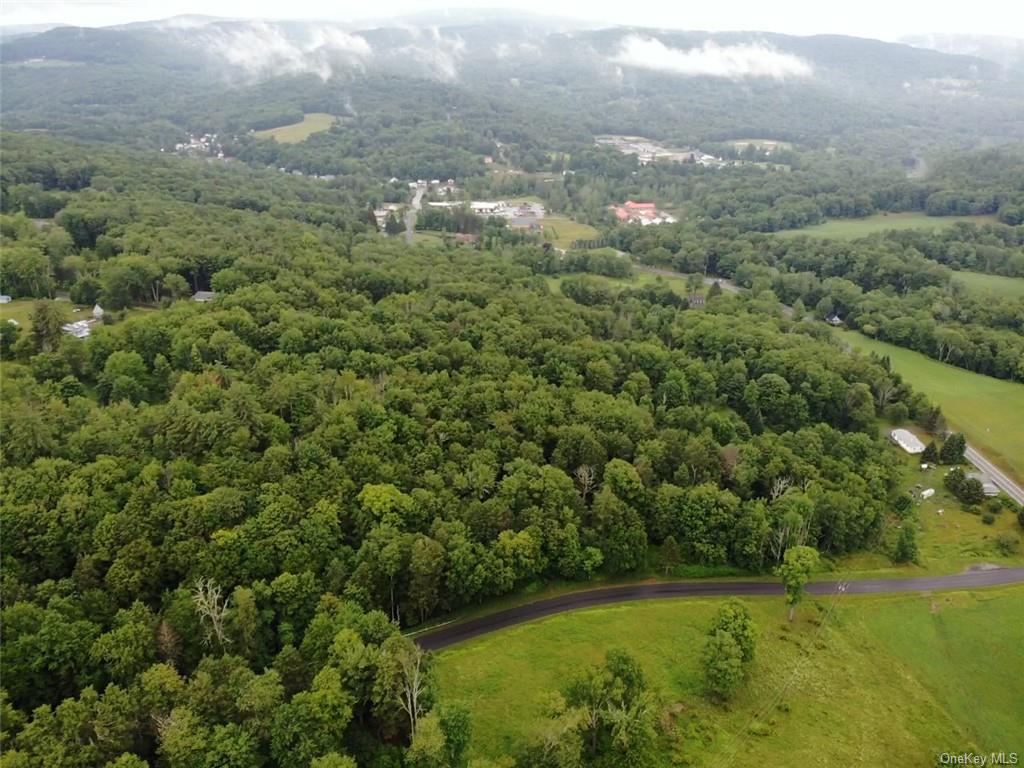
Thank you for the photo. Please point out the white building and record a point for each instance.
(97, 312)
(907, 440)
(5, 299)
(927, 493)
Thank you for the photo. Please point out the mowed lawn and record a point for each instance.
(878, 677)
(989, 411)
(851, 229)
(562, 231)
(977, 282)
(313, 122)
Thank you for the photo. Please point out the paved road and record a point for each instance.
(410, 215)
(1000, 478)
(449, 634)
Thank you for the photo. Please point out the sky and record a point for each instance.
(883, 19)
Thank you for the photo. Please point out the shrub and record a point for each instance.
(988, 518)
(1007, 543)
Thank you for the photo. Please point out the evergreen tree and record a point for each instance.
(953, 449)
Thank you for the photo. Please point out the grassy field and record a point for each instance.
(562, 231)
(638, 280)
(1009, 287)
(989, 411)
(907, 676)
(771, 144)
(850, 229)
(19, 310)
(313, 122)
(950, 539)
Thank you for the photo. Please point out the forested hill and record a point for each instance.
(217, 517)
(151, 84)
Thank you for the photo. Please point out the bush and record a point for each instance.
(1007, 543)
(903, 504)
(988, 518)
(906, 545)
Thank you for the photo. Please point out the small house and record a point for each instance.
(987, 486)
(834, 320)
(5, 299)
(204, 296)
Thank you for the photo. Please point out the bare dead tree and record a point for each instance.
(586, 478)
(779, 487)
(412, 683)
(212, 609)
(168, 643)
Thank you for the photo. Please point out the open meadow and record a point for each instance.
(312, 122)
(854, 681)
(1004, 287)
(851, 229)
(562, 232)
(989, 411)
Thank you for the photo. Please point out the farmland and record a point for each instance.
(919, 673)
(313, 122)
(989, 411)
(851, 229)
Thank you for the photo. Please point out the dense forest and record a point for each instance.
(221, 518)
(217, 517)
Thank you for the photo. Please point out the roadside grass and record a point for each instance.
(850, 229)
(884, 676)
(989, 411)
(562, 231)
(312, 122)
(1004, 287)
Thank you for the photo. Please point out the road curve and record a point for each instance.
(998, 477)
(449, 634)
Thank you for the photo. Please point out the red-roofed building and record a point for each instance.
(633, 206)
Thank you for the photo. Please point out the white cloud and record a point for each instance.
(438, 56)
(711, 59)
(261, 49)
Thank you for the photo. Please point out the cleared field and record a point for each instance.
(19, 311)
(638, 280)
(881, 676)
(1010, 287)
(562, 231)
(762, 143)
(989, 411)
(851, 229)
(313, 122)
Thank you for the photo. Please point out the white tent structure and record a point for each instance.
(907, 440)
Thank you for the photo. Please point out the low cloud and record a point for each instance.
(437, 56)
(262, 50)
(711, 59)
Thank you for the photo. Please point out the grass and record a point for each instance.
(906, 676)
(313, 122)
(638, 280)
(850, 229)
(771, 144)
(562, 231)
(989, 411)
(1004, 287)
(21, 309)
(950, 539)
(427, 237)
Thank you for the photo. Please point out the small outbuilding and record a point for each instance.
(907, 440)
(4, 298)
(97, 312)
(927, 493)
(204, 296)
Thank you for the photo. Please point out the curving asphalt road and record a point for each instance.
(449, 634)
